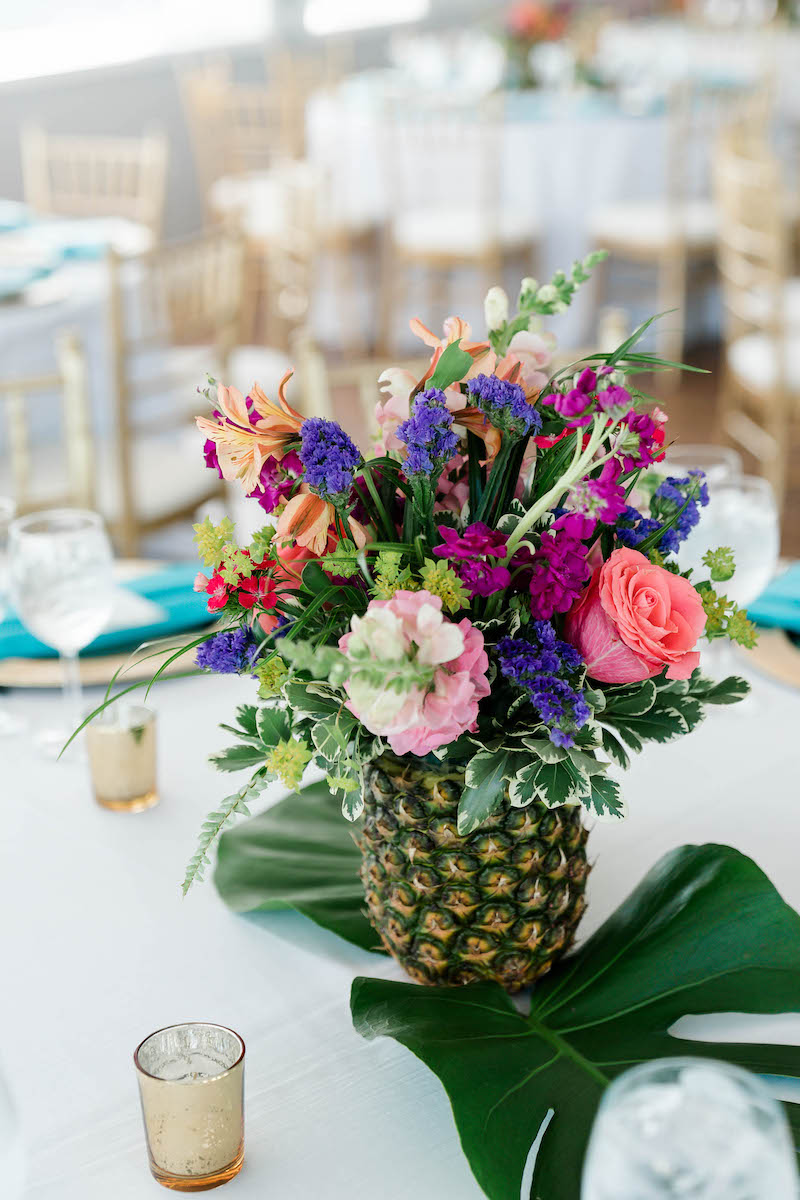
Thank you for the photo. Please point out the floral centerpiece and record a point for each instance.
(467, 631)
(526, 24)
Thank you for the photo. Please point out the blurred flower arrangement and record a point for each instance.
(497, 586)
(528, 23)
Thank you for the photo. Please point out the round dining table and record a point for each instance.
(98, 948)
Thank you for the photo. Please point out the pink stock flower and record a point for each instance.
(634, 619)
(437, 670)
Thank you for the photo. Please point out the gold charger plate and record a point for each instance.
(777, 656)
(98, 669)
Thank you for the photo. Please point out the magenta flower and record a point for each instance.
(277, 480)
(603, 497)
(468, 556)
(641, 444)
(560, 569)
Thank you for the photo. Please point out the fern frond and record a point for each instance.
(214, 825)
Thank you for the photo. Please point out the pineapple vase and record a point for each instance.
(502, 903)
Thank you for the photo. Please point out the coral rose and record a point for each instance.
(634, 619)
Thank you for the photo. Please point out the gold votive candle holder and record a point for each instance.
(121, 744)
(191, 1085)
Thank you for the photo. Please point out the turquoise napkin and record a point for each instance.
(170, 587)
(779, 605)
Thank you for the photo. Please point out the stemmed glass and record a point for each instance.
(60, 568)
(8, 724)
(689, 1128)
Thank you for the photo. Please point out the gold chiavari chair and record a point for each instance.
(761, 384)
(676, 234)
(88, 176)
(49, 462)
(174, 315)
(433, 225)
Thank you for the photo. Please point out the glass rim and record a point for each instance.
(186, 1025)
(90, 519)
(751, 1081)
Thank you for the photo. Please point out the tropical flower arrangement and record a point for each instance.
(468, 630)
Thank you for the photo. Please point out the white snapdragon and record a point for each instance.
(495, 308)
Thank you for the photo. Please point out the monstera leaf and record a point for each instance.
(704, 932)
(299, 854)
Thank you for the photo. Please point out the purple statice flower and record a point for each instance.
(669, 498)
(277, 480)
(428, 434)
(328, 457)
(545, 667)
(504, 404)
(603, 497)
(468, 554)
(632, 527)
(578, 403)
(228, 653)
(560, 570)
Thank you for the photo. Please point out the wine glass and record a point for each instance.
(721, 465)
(62, 587)
(8, 725)
(689, 1128)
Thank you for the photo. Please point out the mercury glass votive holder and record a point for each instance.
(191, 1085)
(121, 744)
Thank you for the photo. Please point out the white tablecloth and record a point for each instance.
(98, 948)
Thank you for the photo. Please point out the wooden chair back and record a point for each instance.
(88, 176)
(20, 403)
(184, 294)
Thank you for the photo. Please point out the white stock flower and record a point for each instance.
(495, 307)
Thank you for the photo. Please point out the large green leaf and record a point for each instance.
(704, 932)
(299, 854)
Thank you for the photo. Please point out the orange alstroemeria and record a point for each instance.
(244, 445)
(455, 329)
(307, 518)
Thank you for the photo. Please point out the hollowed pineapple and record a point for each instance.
(502, 903)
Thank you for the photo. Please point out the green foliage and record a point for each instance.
(271, 673)
(441, 580)
(300, 855)
(343, 560)
(215, 823)
(321, 662)
(704, 932)
(288, 760)
(212, 540)
(452, 366)
(390, 576)
(724, 618)
(484, 790)
(720, 563)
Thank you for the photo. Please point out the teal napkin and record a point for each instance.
(779, 605)
(170, 587)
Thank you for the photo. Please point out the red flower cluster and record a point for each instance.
(248, 591)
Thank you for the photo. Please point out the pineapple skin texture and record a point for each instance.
(501, 904)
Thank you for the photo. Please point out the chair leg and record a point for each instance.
(388, 281)
(352, 339)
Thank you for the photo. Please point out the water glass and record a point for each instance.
(60, 570)
(689, 1129)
